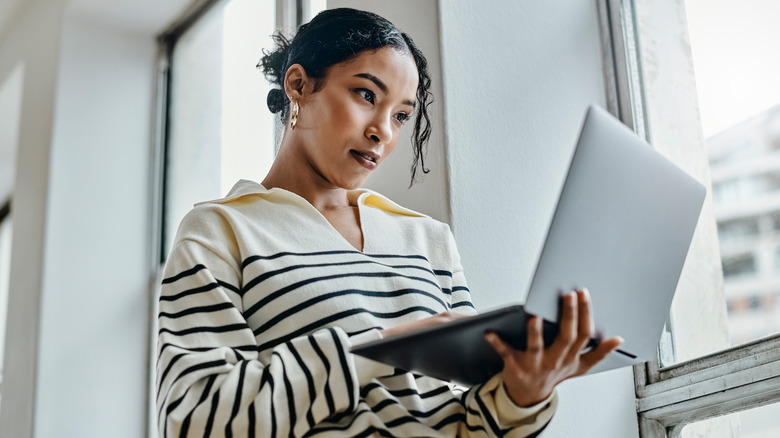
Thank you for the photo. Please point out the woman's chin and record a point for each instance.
(353, 183)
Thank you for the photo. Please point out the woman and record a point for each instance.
(266, 290)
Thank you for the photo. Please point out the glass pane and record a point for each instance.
(219, 127)
(758, 422)
(733, 45)
(11, 88)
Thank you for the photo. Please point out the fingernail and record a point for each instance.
(490, 337)
(586, 292)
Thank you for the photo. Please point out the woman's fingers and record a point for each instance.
(531, 375)
(535, 340)
(439, 318)
(534, 352)
(502, 348)
(584, 322)
(567, 332)
(575, 331)
(590, 359)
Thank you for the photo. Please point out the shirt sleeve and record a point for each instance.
(209, 379)
(488, 406)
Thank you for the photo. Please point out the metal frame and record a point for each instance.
(158, 161)
(740, 378)
(155, 228)
(736, 379)
(622, 79)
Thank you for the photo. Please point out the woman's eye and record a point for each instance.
(367, 95)
(401, 117)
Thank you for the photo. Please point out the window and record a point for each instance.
(11, 87)
(213, 126)
(736, 229)
(735, 190)
(703, 374)
(753, 423)
(739, 265)
(739, 103)
(219, 129)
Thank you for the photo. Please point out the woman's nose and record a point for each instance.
(379, 131)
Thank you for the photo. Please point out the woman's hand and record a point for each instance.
(530, 376)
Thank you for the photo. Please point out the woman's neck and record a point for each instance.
(302, 179)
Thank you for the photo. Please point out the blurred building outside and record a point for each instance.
(745, 169)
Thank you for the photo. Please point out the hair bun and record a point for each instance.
(276, 100)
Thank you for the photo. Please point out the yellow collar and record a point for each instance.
(360, 196)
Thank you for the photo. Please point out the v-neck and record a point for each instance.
(364, 199)
(355, 198)
(361, 228)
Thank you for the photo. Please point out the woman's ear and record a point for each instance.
(295, 82)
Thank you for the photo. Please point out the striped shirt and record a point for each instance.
(262, 299)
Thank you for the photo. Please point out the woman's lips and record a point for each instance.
(365, 160)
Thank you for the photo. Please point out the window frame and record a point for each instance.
(289, 14)
(736, 379)
(728, 381)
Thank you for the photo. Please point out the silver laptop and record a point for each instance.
(622, 228)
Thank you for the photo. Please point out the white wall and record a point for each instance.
(77, 328)
(94, 312)
(32, 40)
(517, 79)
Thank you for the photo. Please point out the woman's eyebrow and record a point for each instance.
(381, 85)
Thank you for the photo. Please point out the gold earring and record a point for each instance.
(294, 115)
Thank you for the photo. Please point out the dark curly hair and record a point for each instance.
(338, 35)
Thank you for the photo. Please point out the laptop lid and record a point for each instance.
(624, 221)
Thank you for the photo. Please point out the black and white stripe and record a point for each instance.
(255, 341)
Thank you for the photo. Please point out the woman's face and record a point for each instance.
(353, 122)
